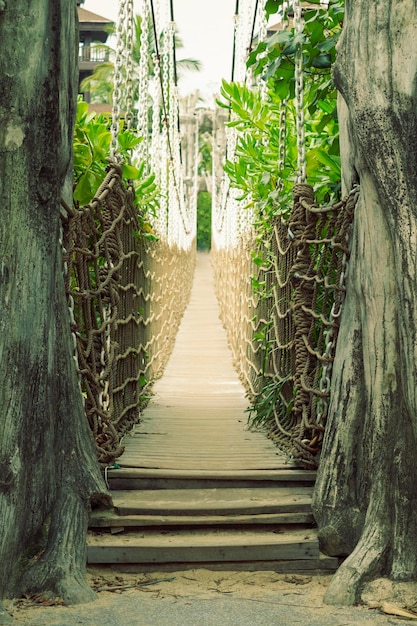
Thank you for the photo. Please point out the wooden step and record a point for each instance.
(111, 520)
(224, 501)
(202, 546)
(125, 478)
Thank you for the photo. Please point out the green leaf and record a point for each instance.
(86, 188)
(129, 171)
(272, 6)
(322, 61)
(326, 105)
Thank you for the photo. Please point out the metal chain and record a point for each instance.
(299, 93)
(284, 14)
(282, 135)
(159, 149)
(117, 91)
(129, 64)
(143, 83)
(104, 396)
(283, 111)
(262, 33)
(184, 225)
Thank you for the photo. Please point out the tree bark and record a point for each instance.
(48, 469)
(365, 497)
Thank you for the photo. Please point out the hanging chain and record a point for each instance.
(282, 140)
(299, 92)
(118, 79)
(183, 226)
(282, 112)
(129, 64)
(143, 83)
(104, 395)
(262, 33)
(159, 149)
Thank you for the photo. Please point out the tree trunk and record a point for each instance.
(48, 469)
(365, 497)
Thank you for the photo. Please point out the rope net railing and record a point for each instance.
(127, 296)
(280, 271)
(129, 269)
(283, 339)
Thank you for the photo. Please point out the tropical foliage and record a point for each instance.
(264, 167)
(92, 138)
(204, 220)
(259, 121)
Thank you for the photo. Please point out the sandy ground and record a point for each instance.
(285, 593)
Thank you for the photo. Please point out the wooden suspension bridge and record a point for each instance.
(194, 485)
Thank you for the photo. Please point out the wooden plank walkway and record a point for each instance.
(194, 486)
(196, 419)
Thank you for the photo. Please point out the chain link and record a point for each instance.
(282, 112)
(118, 79)
(262, 33)
(143, 83)
(128, 53)
(104, 396)
(299, 93)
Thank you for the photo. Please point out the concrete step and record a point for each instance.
(125, 478)
(202, 546)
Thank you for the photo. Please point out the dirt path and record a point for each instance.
(201, 597)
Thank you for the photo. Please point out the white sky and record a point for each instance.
(206, 29)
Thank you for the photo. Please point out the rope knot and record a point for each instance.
(302, 191)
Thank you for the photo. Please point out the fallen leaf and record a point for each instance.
(297, 580)
(392, 609)
(45, 600)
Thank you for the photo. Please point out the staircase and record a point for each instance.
(195, 487)
(251, 519)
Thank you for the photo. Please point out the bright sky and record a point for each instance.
(206, 29)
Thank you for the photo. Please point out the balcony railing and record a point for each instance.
(93, 54)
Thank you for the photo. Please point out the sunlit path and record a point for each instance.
(197, 418)
(194, 485)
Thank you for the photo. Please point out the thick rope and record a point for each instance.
(283, 344)
(126, 300)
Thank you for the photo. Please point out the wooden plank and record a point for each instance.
(195, 432)
(109, 519)
(322, 564)
(202, 547)
(213, 501)
(139, 478)
(197, 417)
(144, 484)
(282, 473)
(193, 465)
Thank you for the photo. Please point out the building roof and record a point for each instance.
(99, 107)
(91, 18)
